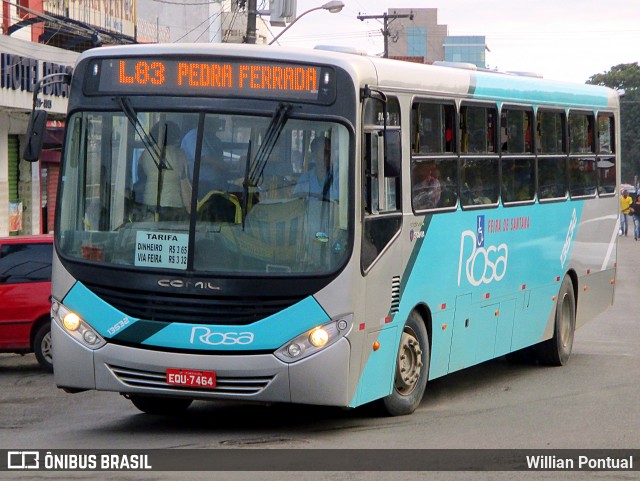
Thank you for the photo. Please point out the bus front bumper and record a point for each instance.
(322, 378)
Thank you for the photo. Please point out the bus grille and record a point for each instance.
(157, 380)
(192, 309)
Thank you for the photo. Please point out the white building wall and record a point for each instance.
(15, 107)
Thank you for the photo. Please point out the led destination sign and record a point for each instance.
(152, 76)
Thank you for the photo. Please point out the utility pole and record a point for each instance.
(385, 22)
(252, 8)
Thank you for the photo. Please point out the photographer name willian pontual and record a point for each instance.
(579, 463)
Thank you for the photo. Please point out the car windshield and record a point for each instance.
(206, 192)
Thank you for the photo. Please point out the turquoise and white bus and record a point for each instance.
(458, 215)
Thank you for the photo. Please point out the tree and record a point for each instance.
(626, 76)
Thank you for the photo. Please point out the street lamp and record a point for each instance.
(334, 6)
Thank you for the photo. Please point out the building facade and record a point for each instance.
(185, 21)
(45, 36)
(421, 38)
(467, 49)
(27, 190)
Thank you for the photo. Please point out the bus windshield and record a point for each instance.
(208, 192)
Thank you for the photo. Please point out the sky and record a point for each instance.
(568, 40)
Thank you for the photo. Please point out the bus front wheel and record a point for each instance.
(556, 351)
(412, 369)
(159, 405)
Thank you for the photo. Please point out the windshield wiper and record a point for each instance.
(157, 152)
(255, 168)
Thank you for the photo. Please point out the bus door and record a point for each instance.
(381, 257)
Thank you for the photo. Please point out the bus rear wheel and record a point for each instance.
(412, 369)
(159, 405)
(556, 351)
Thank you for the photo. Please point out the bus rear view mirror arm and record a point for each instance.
(38, 119)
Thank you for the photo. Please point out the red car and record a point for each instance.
(25, 288)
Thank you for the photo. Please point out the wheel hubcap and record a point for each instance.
(46, 348)
(409, 363)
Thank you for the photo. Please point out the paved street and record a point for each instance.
(590, 403)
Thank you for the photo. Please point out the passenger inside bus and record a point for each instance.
(426, 186)
(321, 180)
(213, 172)
(163, 176)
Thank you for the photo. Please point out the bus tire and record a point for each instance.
(160, 406)
(556, 351)
(42, 347)
(412, 369)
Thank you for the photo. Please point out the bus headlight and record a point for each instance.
(71, 321)
(319, 337)
(75, 326)
(315, 339)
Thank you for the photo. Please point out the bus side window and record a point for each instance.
(381, 184)
(552, 154)
(434, 166)
(518, 162)
(479, 167)
(606, 160)
(582, 170)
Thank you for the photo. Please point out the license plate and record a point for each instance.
(191, 378)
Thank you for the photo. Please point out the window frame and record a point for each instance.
(562, 156)
(606, 155)
(490, 155)
(589, 156)
(448, 156)
(526, 155)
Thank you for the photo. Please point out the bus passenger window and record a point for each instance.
(582, 172)
(551, 128)
(606, 161)
(518, 180)
(582, 176)
(479, 179)
(426, 189)
(432, 128)
(552, 177)
(581, 133)
(515, 131)
(550, 132)
(434, 183)
(477, 129)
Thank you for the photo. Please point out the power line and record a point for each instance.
(213, 19)
(233, 20)
(194, 28)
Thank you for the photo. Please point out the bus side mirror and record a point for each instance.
(35, 135)
(393, 158)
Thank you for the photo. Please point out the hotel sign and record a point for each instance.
(20, 73)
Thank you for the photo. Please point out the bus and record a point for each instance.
(261, 224)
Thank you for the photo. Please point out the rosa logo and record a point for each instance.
(205, 335)
(482, 265)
